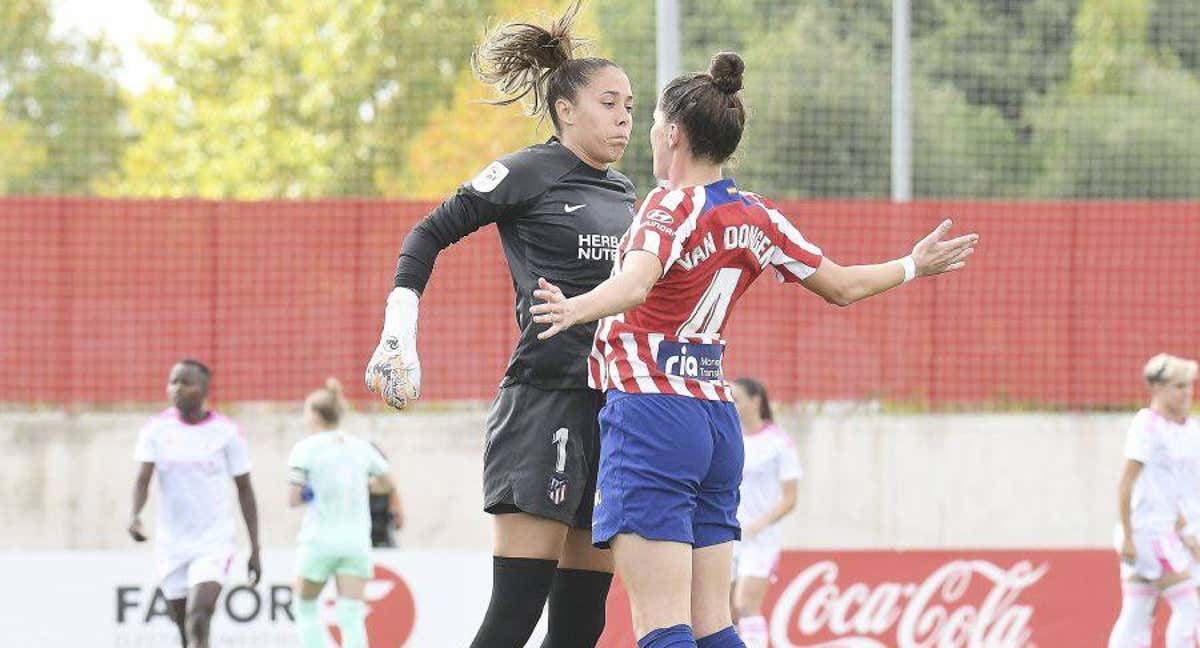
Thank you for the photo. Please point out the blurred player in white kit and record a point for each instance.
(1157, 491)
(196, 452)
(768, 493)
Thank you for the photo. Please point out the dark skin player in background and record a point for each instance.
(187, 388)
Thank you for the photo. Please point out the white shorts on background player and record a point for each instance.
(770, 460)
(195, 464)
(1158, 554)
(756, 559)
(1170, 456)
(205, 568)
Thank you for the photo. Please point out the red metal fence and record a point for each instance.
(1060, 306)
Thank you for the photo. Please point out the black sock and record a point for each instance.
(519, 589)
(577, 605)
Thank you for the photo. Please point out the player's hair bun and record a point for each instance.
(328, 401)
(334, 386)
(726, 71)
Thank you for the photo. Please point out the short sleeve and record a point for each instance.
(297, 464)
(1139, 441)
(376, 464)
(237, 454)
(146, 450)
(661, 226)
(789, 462)
(795, 258)
(518, 177)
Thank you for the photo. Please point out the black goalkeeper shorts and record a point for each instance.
(542, 453)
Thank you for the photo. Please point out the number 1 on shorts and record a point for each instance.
(560, 440)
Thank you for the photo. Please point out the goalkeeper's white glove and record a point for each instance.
(394, 371)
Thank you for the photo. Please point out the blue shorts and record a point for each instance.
(670, 468)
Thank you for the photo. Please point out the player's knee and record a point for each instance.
(743, 609)
(199, 620)
(743, 605)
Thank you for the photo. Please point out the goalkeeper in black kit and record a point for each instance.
(560, 210)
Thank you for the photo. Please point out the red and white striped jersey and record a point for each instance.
(713, 241)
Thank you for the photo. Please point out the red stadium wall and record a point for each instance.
(1060, 306)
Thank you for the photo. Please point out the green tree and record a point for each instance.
(59, 124)
(21, 157)
(820, 122)
(1123, 126)
(627, 35)
(1110, 46)
(275, 99)
(1175, 29)
(998, 54)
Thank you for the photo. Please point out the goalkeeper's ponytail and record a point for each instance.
(536, 64)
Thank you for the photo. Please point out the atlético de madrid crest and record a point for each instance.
(557, 490)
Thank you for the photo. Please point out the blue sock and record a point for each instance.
(679, 636)
(727, 638)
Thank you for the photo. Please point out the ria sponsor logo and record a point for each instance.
(699, 361)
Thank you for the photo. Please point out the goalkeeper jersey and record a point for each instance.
(337, 467)
(558, 218)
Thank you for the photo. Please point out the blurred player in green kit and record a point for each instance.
(329, 473)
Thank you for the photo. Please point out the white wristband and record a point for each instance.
(910, 268)
(400, 318)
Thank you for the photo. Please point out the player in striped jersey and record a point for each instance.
(671, 448)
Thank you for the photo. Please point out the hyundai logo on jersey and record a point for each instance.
(690, 360)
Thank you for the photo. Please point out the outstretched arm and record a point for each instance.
(457, 217)
(845, 285)
(394, 371)
(640, 270)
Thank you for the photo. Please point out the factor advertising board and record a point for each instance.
(819, 599)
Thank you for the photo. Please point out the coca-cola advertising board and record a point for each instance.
(918, 599)
(820, 599)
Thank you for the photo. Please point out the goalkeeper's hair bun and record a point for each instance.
(535, 64)
(328, 402)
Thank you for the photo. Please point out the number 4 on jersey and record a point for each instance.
(709, 313)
